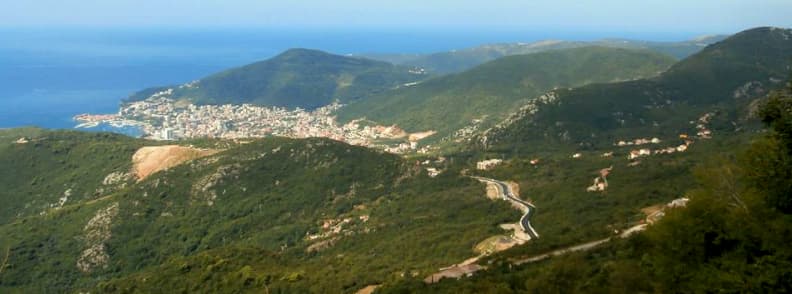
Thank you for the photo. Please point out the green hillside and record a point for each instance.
(51, 166)
(448, 103)
(296, 78)
(732, 236)
(722, 79)
(239, 220)
(460, 60)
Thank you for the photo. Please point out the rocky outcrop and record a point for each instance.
(97, 233)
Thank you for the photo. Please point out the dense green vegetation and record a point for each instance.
(464, 59)
(35, 175)
(722, 79)
(296, 78)
(732, 237)
(236, 221)
(492, 90)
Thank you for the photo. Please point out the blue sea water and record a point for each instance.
(49, 75)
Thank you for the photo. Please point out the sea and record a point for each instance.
(49, 75)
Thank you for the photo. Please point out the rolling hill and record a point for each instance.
(722, 79)
(464, 59)
(277, 214)
(448, 103)
(730, 235)
(296, 78)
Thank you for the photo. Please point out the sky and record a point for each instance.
(715, 16)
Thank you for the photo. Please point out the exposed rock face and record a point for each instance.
(204, 189)
(97, 232)
(113, 182)
(115, 178)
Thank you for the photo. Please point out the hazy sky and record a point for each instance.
(602, 15)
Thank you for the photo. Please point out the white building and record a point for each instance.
(433, 172)
(488, 164)
(167, 134)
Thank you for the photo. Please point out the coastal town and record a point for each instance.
(161, 118)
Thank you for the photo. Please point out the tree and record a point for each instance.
(768, 164)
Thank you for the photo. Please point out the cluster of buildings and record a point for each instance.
(637, 142)
(668, 150)
(162, 118)
(702, 130)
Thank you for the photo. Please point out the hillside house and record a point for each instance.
(488, 164)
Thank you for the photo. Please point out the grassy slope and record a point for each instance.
(448, 103)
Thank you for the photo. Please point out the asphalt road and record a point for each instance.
(530, 209)
(581, 247)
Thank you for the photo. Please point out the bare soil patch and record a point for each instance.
(151, 159)
(420, 135)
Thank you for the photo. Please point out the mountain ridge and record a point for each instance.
(723, 77)
(450, 102)
(455, 61)
(304, 78)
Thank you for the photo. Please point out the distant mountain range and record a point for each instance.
(723, 78)
(296, 78)
(493, 89)
(310, 79)
(463, 59)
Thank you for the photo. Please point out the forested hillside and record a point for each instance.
(732, 236)
(723, 80)
(456, 61)
(489, 91)
(296, 215)
(296, 78)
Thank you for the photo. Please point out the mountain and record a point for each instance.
(296, 78)
(447, 103)
(95, 212)
(722, 79)
(464, 59)
(729, 234)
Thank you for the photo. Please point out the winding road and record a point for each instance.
(507, 194)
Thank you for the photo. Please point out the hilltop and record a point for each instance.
(296, 78)
(489, 91)
(464, 59)
(723, 79)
